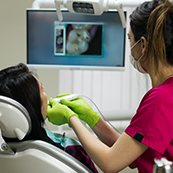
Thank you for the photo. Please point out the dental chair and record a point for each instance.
(29, 156)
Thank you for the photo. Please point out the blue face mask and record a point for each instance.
(136, 63)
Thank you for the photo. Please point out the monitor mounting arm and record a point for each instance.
(93, 7)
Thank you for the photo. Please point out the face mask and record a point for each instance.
(136, 63)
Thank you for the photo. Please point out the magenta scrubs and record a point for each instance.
(152, 125)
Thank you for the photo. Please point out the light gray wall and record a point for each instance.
(13, 31)
(13, 41)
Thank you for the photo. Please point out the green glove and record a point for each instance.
(80, 107)
(59, 114)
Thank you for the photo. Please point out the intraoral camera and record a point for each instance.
(94, 7)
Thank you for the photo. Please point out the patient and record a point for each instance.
(18, 83)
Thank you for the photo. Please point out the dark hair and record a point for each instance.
(154, 21)
(18, 83)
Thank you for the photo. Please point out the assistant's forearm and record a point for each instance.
(109, 159)
(105, 133)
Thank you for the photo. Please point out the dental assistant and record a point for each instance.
(150, 133)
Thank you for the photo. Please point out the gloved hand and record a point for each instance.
(59, 114)
(80, 107)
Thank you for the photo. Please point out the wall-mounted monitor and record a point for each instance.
(77, 42)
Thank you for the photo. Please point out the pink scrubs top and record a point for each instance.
(152, 125)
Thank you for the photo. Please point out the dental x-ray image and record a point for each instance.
(78, 39)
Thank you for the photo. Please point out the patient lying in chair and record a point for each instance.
(18, 83)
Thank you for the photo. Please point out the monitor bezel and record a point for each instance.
(73, 67)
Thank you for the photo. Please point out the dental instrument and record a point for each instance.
(74, 96)
(68, 97)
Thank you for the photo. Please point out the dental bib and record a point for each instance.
(62, 139)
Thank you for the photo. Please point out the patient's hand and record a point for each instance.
(59, 114)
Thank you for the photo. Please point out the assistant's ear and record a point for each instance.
(144, 45)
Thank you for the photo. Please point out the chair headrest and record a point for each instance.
(15, 121)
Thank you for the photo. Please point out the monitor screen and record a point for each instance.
(76, 42)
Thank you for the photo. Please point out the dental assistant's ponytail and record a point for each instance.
(160, 35)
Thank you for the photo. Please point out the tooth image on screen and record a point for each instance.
(77, 42)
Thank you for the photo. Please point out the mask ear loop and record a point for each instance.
(140, 57)
(135, 44)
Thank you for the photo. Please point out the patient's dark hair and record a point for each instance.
(18, 83)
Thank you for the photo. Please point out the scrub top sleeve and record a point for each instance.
(153, 120)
